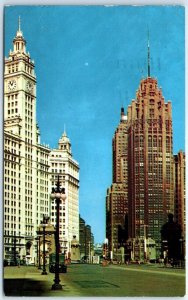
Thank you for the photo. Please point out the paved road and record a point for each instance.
(95, 280)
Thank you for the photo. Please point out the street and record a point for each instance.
(96, 280)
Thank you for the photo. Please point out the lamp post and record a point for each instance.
(58, 194)
(39, 265)
(38, 251)
(44, 224)
(14, 250)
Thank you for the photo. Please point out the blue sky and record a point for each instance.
(89, 62)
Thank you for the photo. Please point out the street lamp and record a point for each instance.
(38, 250)
(39, 264)
(58, 194)
(14, 250)
(44, 224)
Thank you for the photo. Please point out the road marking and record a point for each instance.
(95, 284)
(148, 271)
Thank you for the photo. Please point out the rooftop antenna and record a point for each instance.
(148, 56)
(19, 23)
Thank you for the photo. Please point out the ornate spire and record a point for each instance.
(148, 56)
(64, 143)
(64, 133)
(19, 24)
(19, 32)
(19, 41)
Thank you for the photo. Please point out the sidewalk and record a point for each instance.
(28, 281)
(86, 280)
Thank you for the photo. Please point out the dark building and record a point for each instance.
(150, 161)
(171, 239)
(86, 239)
(179, 211)
(82, 236)
(117, 194)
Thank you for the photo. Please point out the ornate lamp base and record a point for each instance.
(57, 286)
(44, 273)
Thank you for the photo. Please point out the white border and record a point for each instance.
(82, 2)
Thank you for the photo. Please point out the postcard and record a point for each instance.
(94, 150)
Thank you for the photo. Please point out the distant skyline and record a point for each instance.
(89, 62)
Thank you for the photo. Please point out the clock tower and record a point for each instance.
(26, 195)
(20, 90)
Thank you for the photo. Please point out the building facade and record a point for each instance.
(82, 237)
(86, 241)
(117, 194)
(180, 195)
(26, 194)
(150, 161)
(143, 167)
(63, 165)
(30, 168)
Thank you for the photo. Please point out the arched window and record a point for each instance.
(149, 141)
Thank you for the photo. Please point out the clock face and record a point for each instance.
(29, 86)
(12, 84)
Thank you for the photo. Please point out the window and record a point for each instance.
(151, 113)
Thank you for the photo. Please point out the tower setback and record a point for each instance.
(150, 161)
(142, 193)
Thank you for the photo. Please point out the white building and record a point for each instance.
(63, 164)
(26, 183)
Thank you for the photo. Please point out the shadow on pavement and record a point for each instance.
(23, 287)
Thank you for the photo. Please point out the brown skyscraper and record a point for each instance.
(150, 161)
(148, 181)
(180, 183)
(117, 194)
(119, 145)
